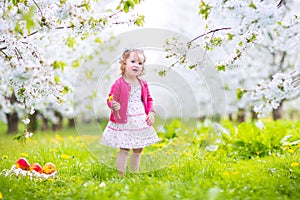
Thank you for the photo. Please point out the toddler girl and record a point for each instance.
(132, 114)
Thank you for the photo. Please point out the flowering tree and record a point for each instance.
(38, 42)
(246, 28)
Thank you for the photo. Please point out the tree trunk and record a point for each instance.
(45, 124)
(12, 123)
(241, 115)
(33, 125)
(277, 113)
(59, 124)
(253, 115)
(71, 123)
(230, 117)
(12, 118)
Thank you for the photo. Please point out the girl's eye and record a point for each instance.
(132, 61)
(140, 63)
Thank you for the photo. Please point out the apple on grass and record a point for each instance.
(36, 167)
(23, 164)
(49, 168)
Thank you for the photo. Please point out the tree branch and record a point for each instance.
(1, 50)
(30, 34)
(281, 2)
(19, 56)
(209, 32)
(38, 8)
(110, 16)
(282, 60)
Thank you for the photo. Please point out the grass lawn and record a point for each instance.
(224, 173)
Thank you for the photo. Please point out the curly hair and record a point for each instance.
(126, 55)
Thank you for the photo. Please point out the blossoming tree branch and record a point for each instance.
(246, 29)
(39, 42)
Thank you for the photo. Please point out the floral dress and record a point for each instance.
(135, 133)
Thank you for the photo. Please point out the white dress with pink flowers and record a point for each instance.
(135, 133)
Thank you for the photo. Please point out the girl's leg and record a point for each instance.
(135, 159)
(122, 161)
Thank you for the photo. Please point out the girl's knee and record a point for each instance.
(123, 149)
(139, 150)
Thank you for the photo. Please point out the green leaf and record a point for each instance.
(18, 28)
(71, 42)
(62, 2)
(216, 41)
(140, 20)
(126, 8)
(89, 74)
(75, 63)
(129, 4)
(221, 67)
(21, 91)
(59, 65)
(28, 17)
(87, 7)
(251, 5)
(253, 38)
(17, 137)
(15, 2)
(98, 40)
(56, 79)
(192, 66)
(65, 90)
(72, 25)
(162, 73)
(229, 36)
(240, 93)
(84, 36)
(204, 10)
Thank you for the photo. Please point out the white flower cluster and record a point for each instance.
(247, 15)
(14, 171)
(272, 93)
(234, 60)
(286, 35)
(35, 34)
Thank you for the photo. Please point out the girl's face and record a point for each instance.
(134, 64)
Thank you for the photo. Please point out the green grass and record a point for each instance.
(216, 175)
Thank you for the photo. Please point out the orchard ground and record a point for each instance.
(247, 164)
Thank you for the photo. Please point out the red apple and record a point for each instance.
(36, 167)
(22, 163)
(49, 168)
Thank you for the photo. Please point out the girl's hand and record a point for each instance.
(150, 119)
(116, 106)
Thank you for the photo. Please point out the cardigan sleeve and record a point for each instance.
(114, 94)
(149, 100)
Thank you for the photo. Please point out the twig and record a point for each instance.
(38, 7)
(19, 56)
(4, 52)
(30, 34)
(280, 3)
(211, 31)
(296, 80)
(110, 16)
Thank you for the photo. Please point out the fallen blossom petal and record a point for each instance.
(102, 185)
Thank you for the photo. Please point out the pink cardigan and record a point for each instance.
(120, 91)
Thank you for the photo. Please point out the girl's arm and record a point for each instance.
(114, 95)
(149, 101)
